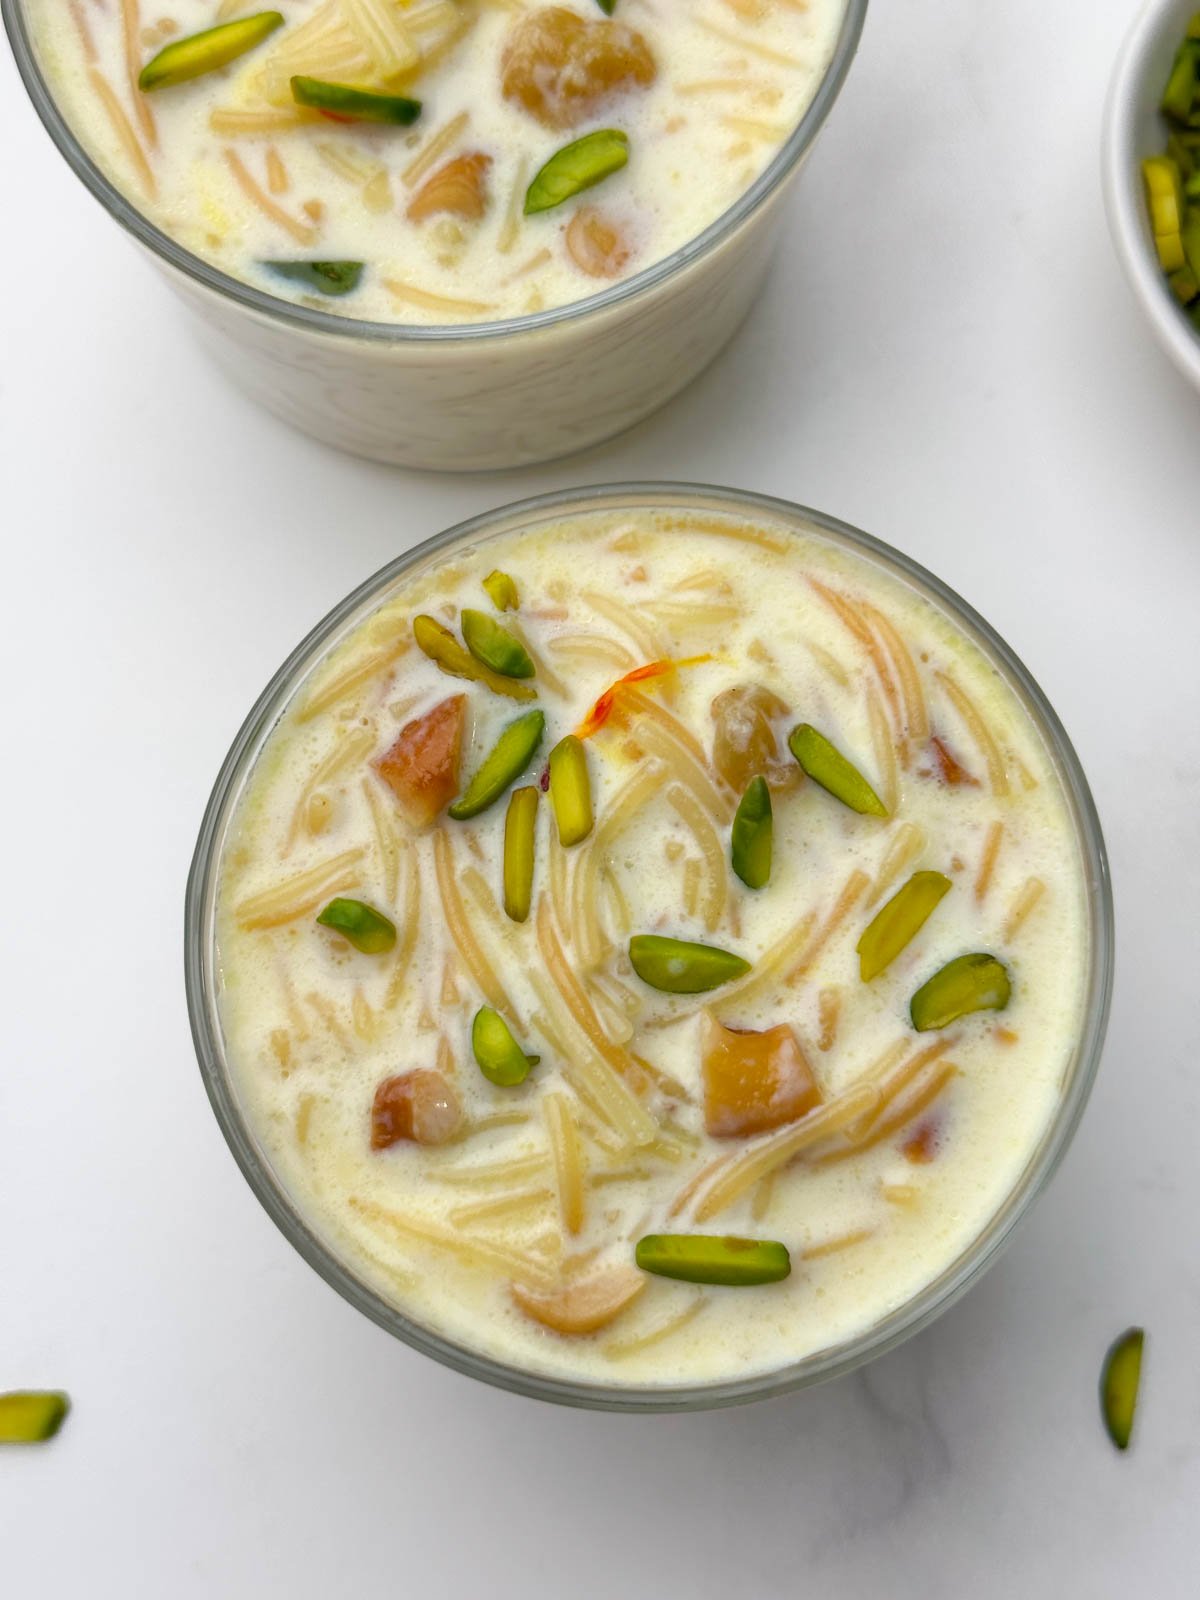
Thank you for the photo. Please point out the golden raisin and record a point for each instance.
(458, 186)
(753, 1081)
(595, 245)
(421, 768)
(559, 66)
(744, 742)
(421, 1106)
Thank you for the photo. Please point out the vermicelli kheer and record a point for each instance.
(434, 161)
(652, 945)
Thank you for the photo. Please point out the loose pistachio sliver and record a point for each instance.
(327, 277)
(975, 982)
(713, 1258)
(30, 1416)
(677, 966)
(359, 105)
(497, 1054)
(207, 51)
(898, 922)
(607, 6)
(506, 761)
(368, 930)
(825, 764)
(752, 835)
(576, 167)
(494, 646)
(1119, 1379)
(571, 791)
(520, 824)
(440, 645)
(502, 591)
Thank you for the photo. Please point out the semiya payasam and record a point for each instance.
(530, 1050)
(434, 161)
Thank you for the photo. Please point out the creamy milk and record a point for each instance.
(313, 1025)
(231, 168)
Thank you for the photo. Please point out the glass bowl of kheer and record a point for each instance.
(451, 234)
(648, 946)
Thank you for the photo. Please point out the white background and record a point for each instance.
(945, 355)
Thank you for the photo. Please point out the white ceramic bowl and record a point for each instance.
(1133, 129)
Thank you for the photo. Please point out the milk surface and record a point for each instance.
(731, 83)
(313, 1025)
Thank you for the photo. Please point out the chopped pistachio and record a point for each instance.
(976, 982)
(494, 646)
(1164, 200)
(368, 930)
(1119, 1379)
(206, 51)
(825, 764)
(519, 848)
(1181, 85)
(502, 591)
(752, 834)
(497, 1054)
(570, 791)
(713, 1258)
(898, 922)
(440, 645)
(327, 277)
(507, 760)
(358, 105)
(576, 167)
(30, 1416)
(677, 966)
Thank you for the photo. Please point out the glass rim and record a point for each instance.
(882, 1336)
(312, 320)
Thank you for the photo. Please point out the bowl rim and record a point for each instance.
(1124, 204)
(199, 950)
(331, 323)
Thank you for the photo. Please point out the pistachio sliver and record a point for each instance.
(1119, 1380)
(327, 277)
(494, 646)
(826, 765)
(898, 922)
(368, 930)
(713, 1258)
(576, 167)
(1164, 201)
(207, 51)
(975, 982)
(1181, 85)
(30, 1416)
(751, 837)
(357, 105)
(677, 966)
(497, 1054)
(440, 645)
(502, 591)
(570, 791)
(505, 762)
(520, 823)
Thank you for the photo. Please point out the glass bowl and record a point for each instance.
(201, 953)
(479, 395)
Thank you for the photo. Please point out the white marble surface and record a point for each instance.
(945, 355)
